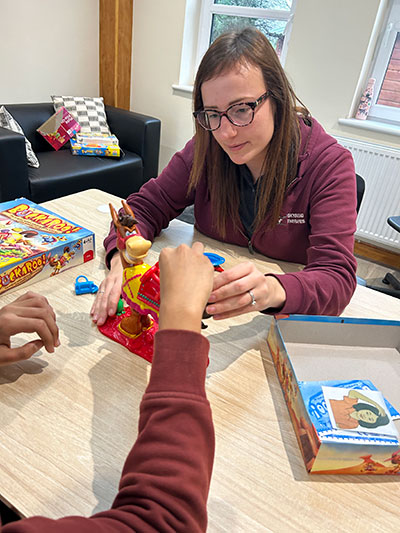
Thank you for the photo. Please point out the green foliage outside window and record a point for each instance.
(272, 29)
(265, 4)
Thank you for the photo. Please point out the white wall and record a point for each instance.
(157, 44)
(326, 51)
(48, 47)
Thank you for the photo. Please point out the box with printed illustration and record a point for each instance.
(96, 144)
(36, 243)
(59, 128)
(340, 379)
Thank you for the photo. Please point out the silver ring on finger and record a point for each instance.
(253, 300)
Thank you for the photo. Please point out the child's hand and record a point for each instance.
(30, 313)
(186, 278)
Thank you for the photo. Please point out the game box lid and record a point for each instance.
(37, 243)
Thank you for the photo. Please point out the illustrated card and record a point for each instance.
(358, 410)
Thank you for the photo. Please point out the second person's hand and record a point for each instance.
(30, 313)
(186, 278)
(109, 293)
(243, 289)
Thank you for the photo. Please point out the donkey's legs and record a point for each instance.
(135, 323)
(131, 324)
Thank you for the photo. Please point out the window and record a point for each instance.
(206, 19)
(385, 105)
(272, 17)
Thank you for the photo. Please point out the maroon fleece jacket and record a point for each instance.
(316, 227)
(166, 477)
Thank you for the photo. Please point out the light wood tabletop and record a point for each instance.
(69, 419)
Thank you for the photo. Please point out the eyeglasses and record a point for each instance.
(238, 114)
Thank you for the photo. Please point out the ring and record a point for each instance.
(253, 300)
(101, 292)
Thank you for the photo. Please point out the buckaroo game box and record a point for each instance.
(340, 380)
(36, 243)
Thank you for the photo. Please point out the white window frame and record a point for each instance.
(196, 36)
(208, 9)
(391, 27)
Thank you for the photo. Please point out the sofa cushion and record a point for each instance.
(88, 111)
(30, 117)
(61, 173)
(8, 122)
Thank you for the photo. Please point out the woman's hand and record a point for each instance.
(233, 290)
(186, 278)
(109, 293)
(30, 313)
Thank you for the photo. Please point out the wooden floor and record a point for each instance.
(373, 272)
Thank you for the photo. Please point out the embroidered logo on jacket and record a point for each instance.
(292, 218)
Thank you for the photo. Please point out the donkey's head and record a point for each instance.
(132, 246)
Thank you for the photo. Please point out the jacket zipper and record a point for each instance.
(249, 243)
(250, 246)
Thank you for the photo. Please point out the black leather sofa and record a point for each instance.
(61, 173)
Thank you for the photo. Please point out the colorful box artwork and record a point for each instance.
(59, 128)
(97, 144)
(345, 423)
(36, 243)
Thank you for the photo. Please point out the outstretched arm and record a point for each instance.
(166, 477)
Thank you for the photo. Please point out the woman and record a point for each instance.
(261, 173)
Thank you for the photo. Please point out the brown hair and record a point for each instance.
(248, 47)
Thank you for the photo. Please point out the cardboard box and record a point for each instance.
(101, 139)
(313, 349)
(36, 243)
(59, 128)
(95, 144)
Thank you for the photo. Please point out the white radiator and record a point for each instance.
(380, 168)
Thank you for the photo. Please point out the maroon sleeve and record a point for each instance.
(160, 200)
(328, 280)
(166, 477)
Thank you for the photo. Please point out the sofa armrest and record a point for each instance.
(14, 167)
(139, 134)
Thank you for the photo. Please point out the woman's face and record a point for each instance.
(244, 145)
(366, 415)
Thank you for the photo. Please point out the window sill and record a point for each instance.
(183, 90)
(371, 125)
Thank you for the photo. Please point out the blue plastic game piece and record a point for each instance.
(215, 259)
(85, 287)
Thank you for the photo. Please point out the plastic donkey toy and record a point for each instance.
(140, 289)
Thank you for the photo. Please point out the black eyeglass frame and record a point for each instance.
(252, 105)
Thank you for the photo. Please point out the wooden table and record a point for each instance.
(69, 419)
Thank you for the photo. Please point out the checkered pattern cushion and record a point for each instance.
(89, 112)
(8, 121)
